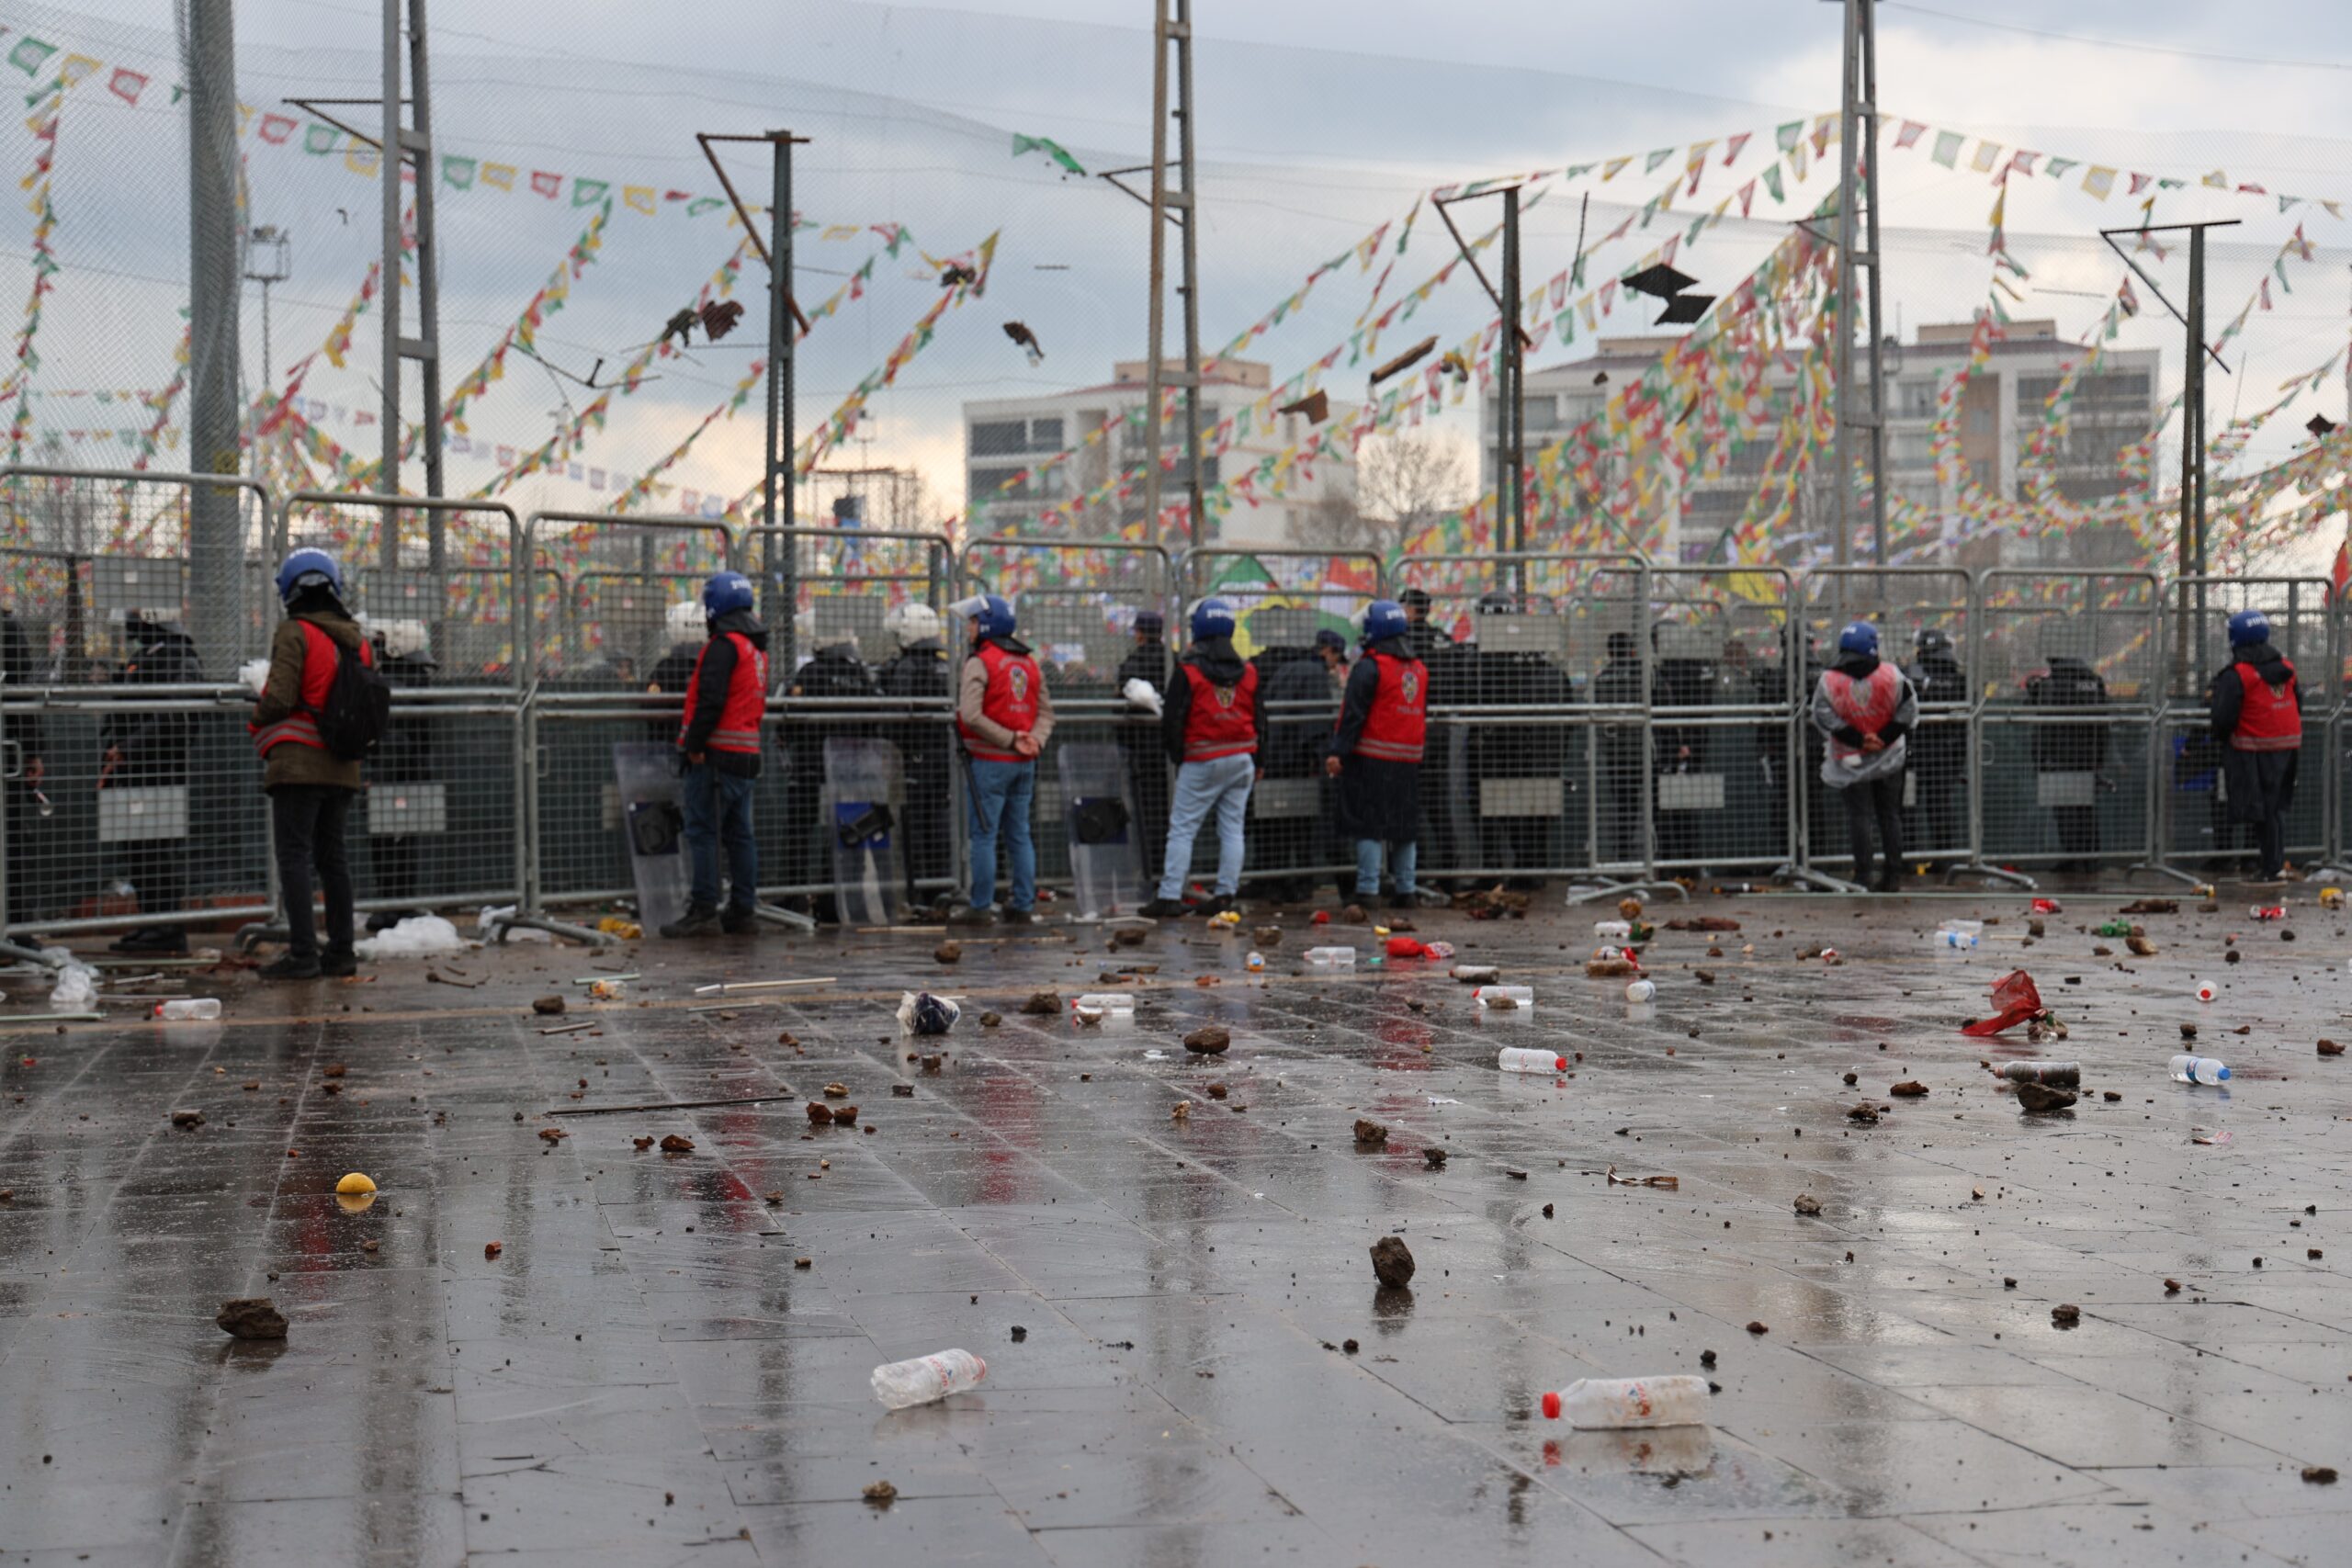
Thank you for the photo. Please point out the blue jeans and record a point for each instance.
(718, 806)
(1222, 783)
(1001, 794)
(1401, 858)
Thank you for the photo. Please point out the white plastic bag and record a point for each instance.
(254, 673)
(1139, 695)
(419, 936)
(77, 989)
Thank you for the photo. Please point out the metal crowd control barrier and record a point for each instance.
(1290, 596)
(2064, 662)
(609, 672)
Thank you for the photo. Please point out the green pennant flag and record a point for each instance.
(319, 140)
(1650, 165)
(2057, 166)
(1772, 182)
(29, 55)
(703, 204)
(588, 193)
(457, 173)
(1948, 146)
(1050, 148)
(1788, 135)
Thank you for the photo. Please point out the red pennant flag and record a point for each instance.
(2340, 574)
(1730, 149)
(1911, 131)
(547, 184)
(1746, 197)
(2140, 182)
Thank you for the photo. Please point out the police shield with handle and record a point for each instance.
(1866, 708)
(1214, 716)
(2256, 713)
(1375, 753)
(1005, 718)
(719, 739)
(323, 710)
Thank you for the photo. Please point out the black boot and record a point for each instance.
(700, 920)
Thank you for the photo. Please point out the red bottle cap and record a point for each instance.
(1551, 1408)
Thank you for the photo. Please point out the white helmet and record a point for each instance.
(402, 639)
(685, 620)
(911, 622)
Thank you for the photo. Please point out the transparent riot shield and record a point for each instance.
(653, 820)
(864, 803)
(1105, 859)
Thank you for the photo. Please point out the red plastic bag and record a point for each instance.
(2016, 999)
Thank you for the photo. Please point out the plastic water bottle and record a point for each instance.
(188, 1009)
(1521, 1059)
(1974, 928)
(1620, 930)
(2267, 912)
(1255, 962)
(1106, 1002)
(607, 991)
(2205, 991)
(1641, 991)
(1955, 939)
(2061, 1075)
(927, 1378)
(1602, 1403)
(1331, 957)
(2186, 1068)
(1518, 996)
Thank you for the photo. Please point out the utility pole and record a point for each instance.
(1171, 26)
(216, 530)
(1510, 375)
(1857, 189)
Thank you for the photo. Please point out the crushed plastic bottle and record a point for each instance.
(1524, 1059)
(2267, 912)
(2205, 991)
(1641, 991)
(1255, 961)
(1620, 930)
(182, 1008)
(2060, 1074)
(1331, 957)
(2112, 927)
(2186, 1068)
(2048, 907)
(2331, 897)
(1518, 996)
(927, 1378)
(77, 989)
(1606, 1404)
(1955, 939)
(1106, 1002)
(607, 991)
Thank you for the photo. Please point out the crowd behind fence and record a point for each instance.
(1598, 719)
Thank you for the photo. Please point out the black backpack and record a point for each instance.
(358, 710)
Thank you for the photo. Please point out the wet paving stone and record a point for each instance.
(665, 1358)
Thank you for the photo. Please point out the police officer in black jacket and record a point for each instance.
(150, 750)
(1939, 750)
(919, 669)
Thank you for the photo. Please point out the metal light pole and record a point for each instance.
(1857, 195)
(1172, 25)
(216, 512)
(268, 259)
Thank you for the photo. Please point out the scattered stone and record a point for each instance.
(2172, 1287)
(1266, 936)
(1909, 1088)
(837, 1092)
(846, 1116)
(1704, 976)
(2189, 1032)
(1128, 936)
(188, 1118)
(250, 1317)
(2151, 906)
(902, 1091)
(552, 1135)
(930, 1065)
(1209, 1040)
(1547, 1210)
(820, 1114)
(1020, 1335)
(2111, 1096)
(643, 1144)
(881, 1494)
(2041, 1097)
(492, 1249)
(1866, 1113)
(2140, 946)
(2034, 928)
(1706, 1358)
(948, 952)
(2065, 1314)
(1807, 1203)
(1853, 1078)
(2329, 1048)
(548, 1006)
(804, 1263)
(2320, 1474)
(1371, 1134)
(1043, 1004)
(1217, 1091)
(2232, 956)
(1181, 1111)
(676, 1144)
(1353, 915)
(991, 1020)
(1759, 1328)
(1350, 1346)
(1434, 1157)
(1392, 1262)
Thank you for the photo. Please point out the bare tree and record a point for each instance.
(1403, 484)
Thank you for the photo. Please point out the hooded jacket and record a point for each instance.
(1215, 657)
(282, 697)
(710, 693)
(1833, 724)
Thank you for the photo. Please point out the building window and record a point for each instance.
(1046, 434)
(1000, 437)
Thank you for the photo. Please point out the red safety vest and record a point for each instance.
(1398, 724)
(2267, 719)
(1010, 699)
(321, 658)
(747, 698)
(1868, 703)
(1223, 720)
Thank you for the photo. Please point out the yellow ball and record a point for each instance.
(355, 1182)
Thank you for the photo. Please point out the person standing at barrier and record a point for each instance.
(1216, 713)
(1139, 742)
(1376, 747)
(1617, 754)
(1005, 717)
(404, 656)
(20, 756)
(2257, 711)
(150, 750)
(2077, 752)
(305, 708)
(1291, 749)
(719, 740)
(918, 669)
(1426, 635)
(1866, 708)
(1940, 752)
(832, 670)
(1516, 766)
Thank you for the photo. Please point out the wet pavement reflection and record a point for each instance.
(575, 1348)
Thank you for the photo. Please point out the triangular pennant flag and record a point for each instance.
(1732, 149)
(1655, 159)
(1746, 197)
(1772, 182)
(1787, 135)
(2217, 179)
(2056, 168)
(1609, 170)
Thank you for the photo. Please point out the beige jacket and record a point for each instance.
(975, 687)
